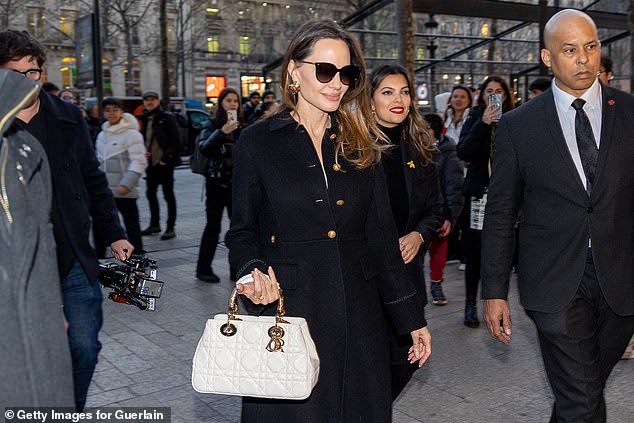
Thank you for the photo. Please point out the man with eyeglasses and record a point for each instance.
(81, 194)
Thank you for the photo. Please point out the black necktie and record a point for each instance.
(585, 142)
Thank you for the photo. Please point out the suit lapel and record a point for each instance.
(551, 117)
(607, 128)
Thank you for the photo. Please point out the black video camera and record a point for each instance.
(132, 282)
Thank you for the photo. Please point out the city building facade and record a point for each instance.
(218, 43)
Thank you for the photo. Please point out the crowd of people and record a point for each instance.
(337, 193)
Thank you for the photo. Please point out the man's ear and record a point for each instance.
(545, 54)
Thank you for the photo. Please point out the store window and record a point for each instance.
(35, 21)
(245, 45)
(67, 22)
(69, 72)
(251, 83)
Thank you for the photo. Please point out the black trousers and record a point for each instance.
(162, 175)
(130, 213)
(580, 345)
(218, 196)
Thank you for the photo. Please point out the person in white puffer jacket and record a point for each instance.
(121, 154)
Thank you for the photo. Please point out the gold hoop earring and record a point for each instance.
(294, 87)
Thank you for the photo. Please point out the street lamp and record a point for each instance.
(430, 27)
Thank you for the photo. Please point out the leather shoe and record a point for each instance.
(168, 234)
(209, 278)
(151, 230)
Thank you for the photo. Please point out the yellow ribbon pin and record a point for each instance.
(411, 164)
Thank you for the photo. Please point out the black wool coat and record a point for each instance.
(335, 252)
(80, 187)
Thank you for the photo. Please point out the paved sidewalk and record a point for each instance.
(470, 378)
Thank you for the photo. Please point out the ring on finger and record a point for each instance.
(261, 297)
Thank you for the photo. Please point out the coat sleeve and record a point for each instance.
(432, 216)
(210, 139)
(454, 177)
(397, 293)
(247, 192)
(503, 202)
(138, 161)
(474, 139)
(102, 207)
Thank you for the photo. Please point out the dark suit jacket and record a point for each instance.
(80, 187)
(534, 171)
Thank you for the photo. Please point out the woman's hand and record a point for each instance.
(263, 290)
(230, 126)
(410, 245)
(421, 347)
(491, 111)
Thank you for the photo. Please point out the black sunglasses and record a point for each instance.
(325, 72)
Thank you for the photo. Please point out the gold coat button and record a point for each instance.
(332, 234)
(340, 202)
(336, 167)
(273, 239)
(333, 136)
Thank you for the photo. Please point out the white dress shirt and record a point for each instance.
(566, 113)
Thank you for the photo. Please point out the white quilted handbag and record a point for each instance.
(256, 356)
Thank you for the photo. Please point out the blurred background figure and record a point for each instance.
(268, 100)
(451, 176)
(477, 146)
(50, 88)
(250, 105)
(162, 142)
(67, 96)
(606, 71)
(537, 87)
(121, 154)
(216, 142)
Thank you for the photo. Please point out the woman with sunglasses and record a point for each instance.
(413, 186)
(311, 213)
(477, 147)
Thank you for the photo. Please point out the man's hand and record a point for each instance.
(121, 249)
(498, 318)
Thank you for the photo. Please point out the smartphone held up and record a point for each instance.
(232, 115)
(496, 101)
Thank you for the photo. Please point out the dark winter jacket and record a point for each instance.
(451, 173)
(81, 188)
(474, 148)
(166, 133)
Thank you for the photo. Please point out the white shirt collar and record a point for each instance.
(592, 96)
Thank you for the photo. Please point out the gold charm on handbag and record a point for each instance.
(276, 343)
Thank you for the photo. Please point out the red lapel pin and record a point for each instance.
(611, 102)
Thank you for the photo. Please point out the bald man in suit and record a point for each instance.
(564, 160)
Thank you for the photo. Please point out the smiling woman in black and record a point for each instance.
(413, 188)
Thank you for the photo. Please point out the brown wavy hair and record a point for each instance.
(414, 129)
(356, 125)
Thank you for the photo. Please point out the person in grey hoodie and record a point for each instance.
(35, 361)
(121, 154)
